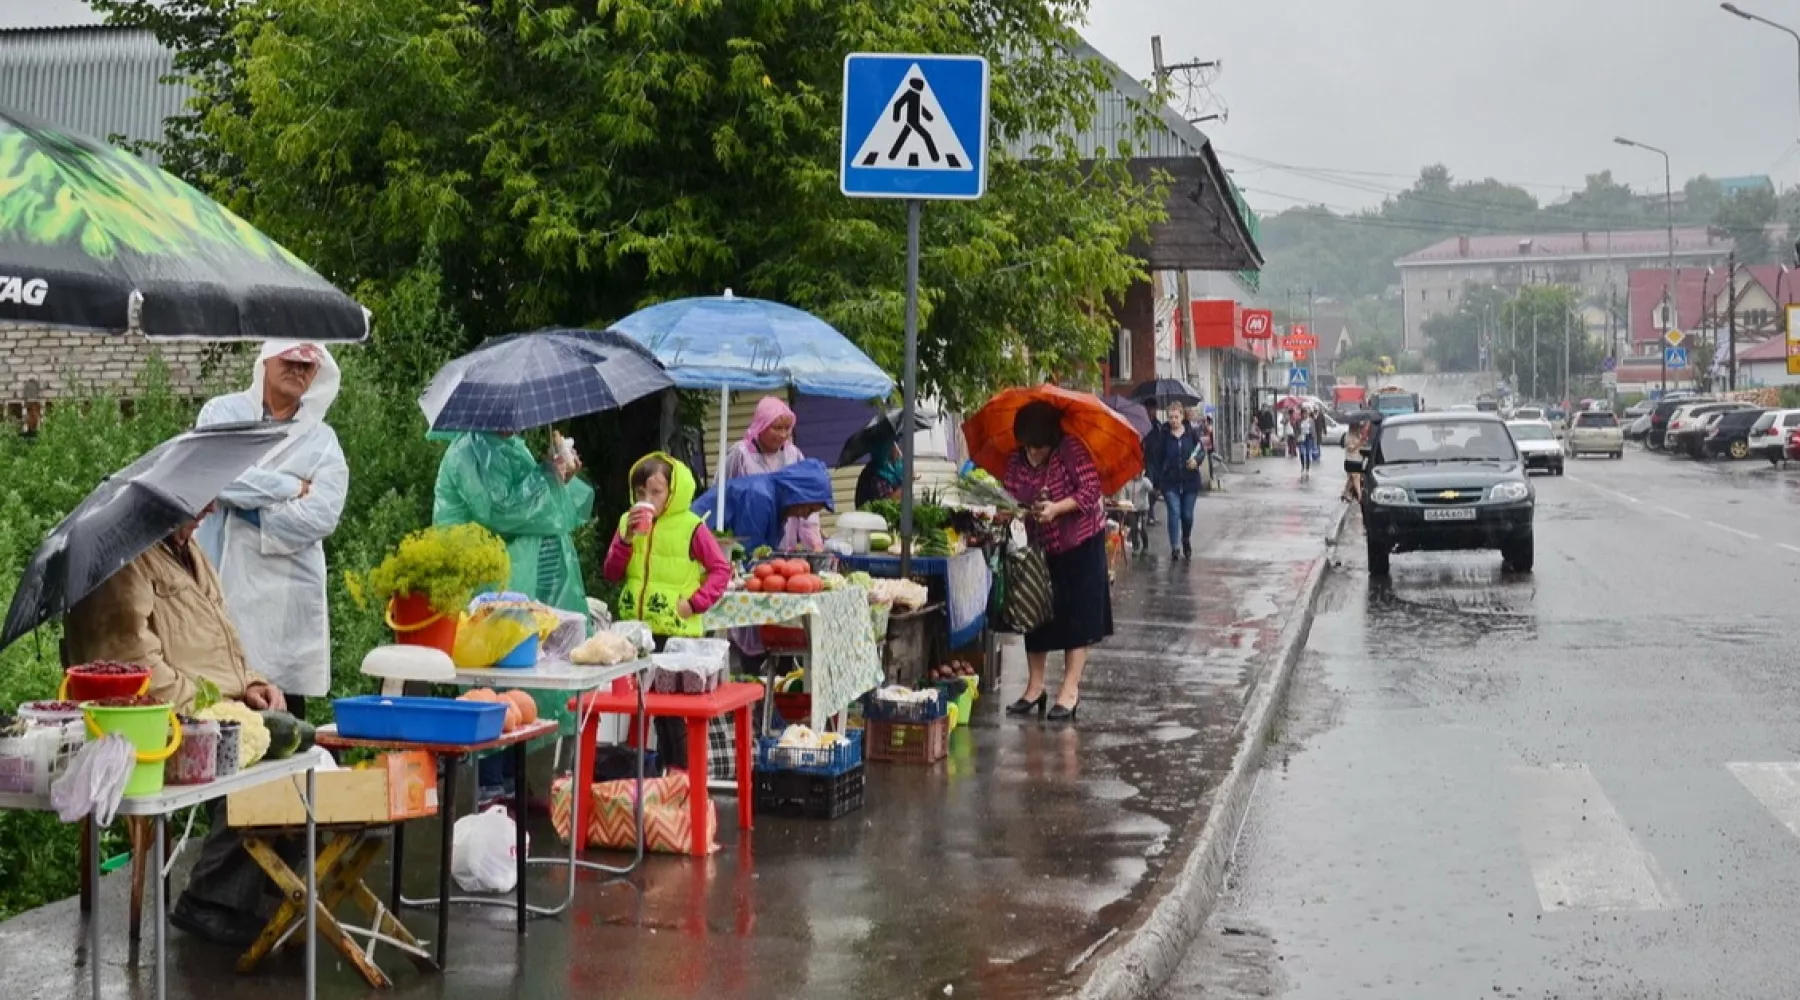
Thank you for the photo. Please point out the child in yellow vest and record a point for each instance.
(672, 570)
(671, 566)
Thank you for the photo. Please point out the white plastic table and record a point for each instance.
(158, 807)
(577, 679)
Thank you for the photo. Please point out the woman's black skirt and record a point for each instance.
(1081, 596)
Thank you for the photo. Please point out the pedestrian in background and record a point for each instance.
(1177, 475)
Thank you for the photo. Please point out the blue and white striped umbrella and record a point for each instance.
(526, 380)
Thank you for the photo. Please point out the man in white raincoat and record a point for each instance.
(267, 538)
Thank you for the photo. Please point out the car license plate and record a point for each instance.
(1450, 514)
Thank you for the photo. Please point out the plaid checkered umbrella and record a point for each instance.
(512, 384)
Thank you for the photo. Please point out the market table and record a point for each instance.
(967, 581)
(327, 737)
(557, 675)
(158, 807)
(843, 659)
(734, 697)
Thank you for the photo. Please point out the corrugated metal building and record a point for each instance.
(100, 81)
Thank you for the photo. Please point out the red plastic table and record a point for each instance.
(735, 697)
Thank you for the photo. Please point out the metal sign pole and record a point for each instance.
(909, 384)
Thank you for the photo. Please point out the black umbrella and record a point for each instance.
(512, 384)
(882, 430)
(1164, 390)
(92, 238)
(130, 511)
(1133, 411)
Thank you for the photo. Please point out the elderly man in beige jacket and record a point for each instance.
(165, 610)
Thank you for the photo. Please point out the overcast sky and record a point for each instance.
(1529, 91)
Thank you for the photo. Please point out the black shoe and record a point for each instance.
(215, 924)
(1023, 707)
(1187, 552)
(1062, 713)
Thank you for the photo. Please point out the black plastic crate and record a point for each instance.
(808, 796)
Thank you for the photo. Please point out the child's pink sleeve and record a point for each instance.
(704, 549)
(618, 557)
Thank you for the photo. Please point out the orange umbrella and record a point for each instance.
(1117, 450)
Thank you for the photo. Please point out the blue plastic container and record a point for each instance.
(523, 657)
(771, 756)
(419, 720)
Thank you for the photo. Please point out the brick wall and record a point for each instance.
(61, 362)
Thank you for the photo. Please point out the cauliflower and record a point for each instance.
(253, 734)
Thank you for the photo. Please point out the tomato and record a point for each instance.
(796, 567)
(806, 583)
(775, 585)
(754, 585)
(763, 570)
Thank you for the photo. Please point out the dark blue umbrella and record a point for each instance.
(513, 384)
(1133, 411)
(1164, 390)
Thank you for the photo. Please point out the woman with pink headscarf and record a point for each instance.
(768, 446)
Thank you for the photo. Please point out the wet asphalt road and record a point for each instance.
(1579, 783)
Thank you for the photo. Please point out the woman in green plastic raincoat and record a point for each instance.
(534, 506)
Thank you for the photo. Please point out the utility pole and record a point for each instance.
(1184, 310)
(1534, 361)
(1731, 319)
(1512, 344)
(1568, 397)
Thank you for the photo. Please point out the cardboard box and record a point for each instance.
(398, 786)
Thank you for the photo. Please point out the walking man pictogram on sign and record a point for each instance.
(912, 106)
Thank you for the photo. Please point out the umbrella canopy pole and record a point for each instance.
(909, 385)
(724, 433)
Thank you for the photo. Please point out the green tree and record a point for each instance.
(1454, 339)
(1745, 218)
(571, 163)
(1535, 325)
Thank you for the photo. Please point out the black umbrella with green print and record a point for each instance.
(92, 238)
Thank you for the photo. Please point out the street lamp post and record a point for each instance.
(1669, 298)
(1732, 8)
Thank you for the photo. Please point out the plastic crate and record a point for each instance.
(785, 639)
(419, 720)
(771, 756)
(907, 742)
(808, 796)
(905, 711)
(794, 707)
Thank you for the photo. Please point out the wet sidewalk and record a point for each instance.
(1001, 872)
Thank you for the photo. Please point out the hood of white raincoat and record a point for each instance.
(314, 405)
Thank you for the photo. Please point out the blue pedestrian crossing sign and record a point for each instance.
(1298, 378)
(1675, 357)
(915, 126)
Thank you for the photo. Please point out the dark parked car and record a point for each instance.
(1730, 434)
(1687, 429)
(1447, 481)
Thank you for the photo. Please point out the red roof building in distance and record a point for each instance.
(1701, 304)
(1598, 263)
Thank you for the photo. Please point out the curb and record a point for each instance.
(1152, 950)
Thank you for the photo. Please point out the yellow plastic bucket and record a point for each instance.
(152, 729)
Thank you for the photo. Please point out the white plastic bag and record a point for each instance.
(485, 858)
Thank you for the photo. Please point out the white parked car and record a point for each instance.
(1596, 432)
(1770, 433)
(1533, 412)
(1538, 445)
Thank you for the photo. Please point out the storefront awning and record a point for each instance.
(1205, 230)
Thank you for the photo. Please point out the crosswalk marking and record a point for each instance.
(1583, 857)
(1775, 785)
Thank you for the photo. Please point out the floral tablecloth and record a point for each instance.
(845, 651)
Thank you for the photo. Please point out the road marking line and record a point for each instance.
(1671, 510)
(1583, 856)
(1735, 531)
(1775, 785)
(1790, 548)
(1610, 493)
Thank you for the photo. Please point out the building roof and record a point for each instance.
(1692, 287)
(1773, 349)
(1546, 246)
